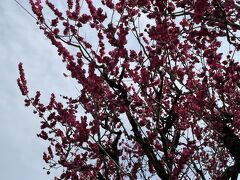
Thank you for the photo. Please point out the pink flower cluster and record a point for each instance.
(158, 96)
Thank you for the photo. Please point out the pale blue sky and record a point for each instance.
(21, 40)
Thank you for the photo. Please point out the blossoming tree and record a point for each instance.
(159, 89)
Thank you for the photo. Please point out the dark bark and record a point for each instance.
(100, 176)
(232, 142)
(147, 149)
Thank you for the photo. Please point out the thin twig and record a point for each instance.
(25, 9)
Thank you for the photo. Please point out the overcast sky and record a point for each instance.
(21, 40)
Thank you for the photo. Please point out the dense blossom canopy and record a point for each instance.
(159, 89)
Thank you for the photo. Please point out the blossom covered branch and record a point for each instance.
(159, 92)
